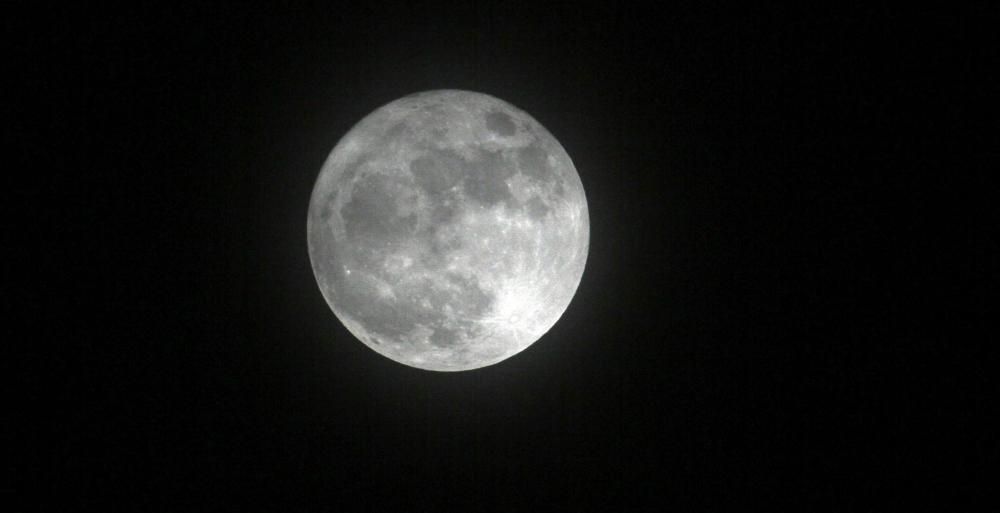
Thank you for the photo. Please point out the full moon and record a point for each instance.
(448, 230)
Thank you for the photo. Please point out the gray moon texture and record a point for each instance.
(448, 230)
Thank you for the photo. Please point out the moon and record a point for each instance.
(448, 230)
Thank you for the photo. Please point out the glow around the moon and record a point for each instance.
(448, 230)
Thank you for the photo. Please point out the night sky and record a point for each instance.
(769, 316)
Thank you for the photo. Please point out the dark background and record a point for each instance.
(771, 313)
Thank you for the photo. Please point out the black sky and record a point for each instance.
(760, 322)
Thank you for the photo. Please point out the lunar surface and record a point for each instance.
(448, 230)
